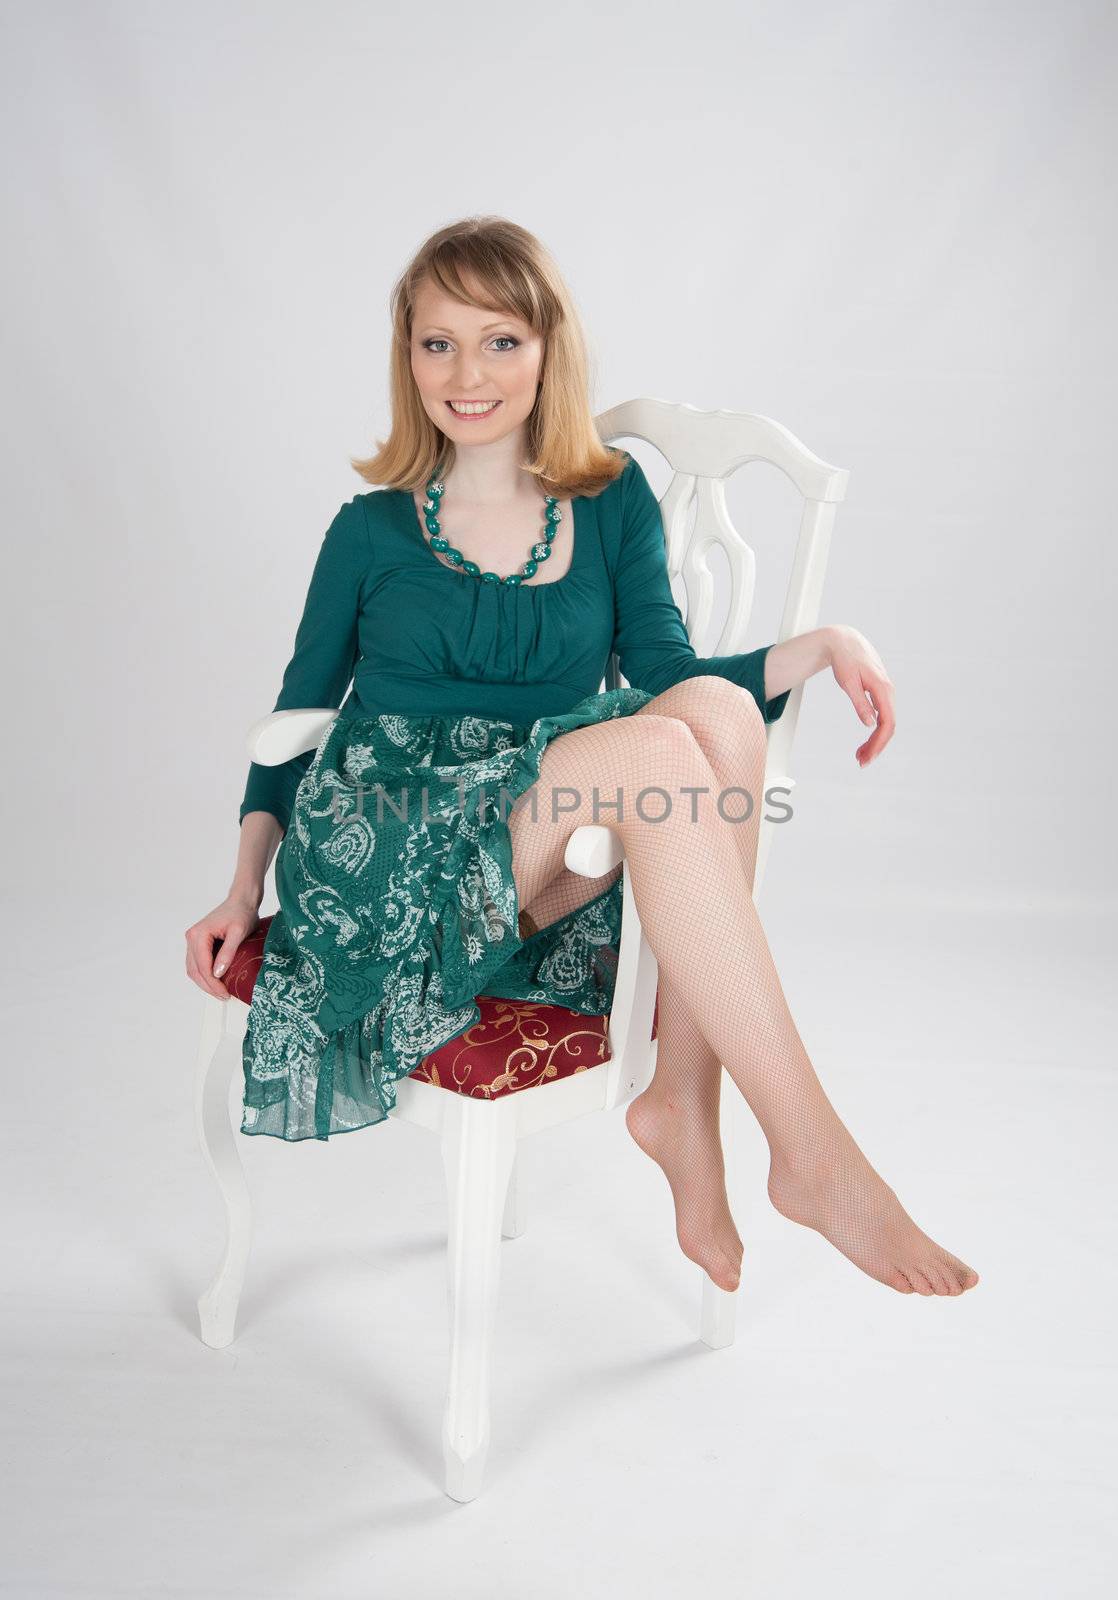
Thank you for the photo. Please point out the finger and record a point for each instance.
(887, 721)
(863, 704)
(886, 717)
(210, 984)
(235, 935)
(874, 745)
(194, 975)
(229, 947)
(201, 959)
(866, 752)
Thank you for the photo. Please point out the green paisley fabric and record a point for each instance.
(397, 907)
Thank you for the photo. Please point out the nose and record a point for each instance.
(468, 374)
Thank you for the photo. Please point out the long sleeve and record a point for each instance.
(650, 637)
(325, 653)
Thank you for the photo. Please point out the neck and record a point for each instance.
(490, 474)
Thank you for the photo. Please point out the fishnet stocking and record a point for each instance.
(721, 1000)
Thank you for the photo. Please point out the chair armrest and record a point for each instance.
(281, 735)
(592, 850)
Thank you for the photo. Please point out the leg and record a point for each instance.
(566, 891)
(647, 778)
(676, 1119)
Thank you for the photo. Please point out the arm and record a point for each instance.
(797, 659)
(650, 637)
(318, 674)
(259, 840)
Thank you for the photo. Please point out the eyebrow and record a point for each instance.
(433, 328)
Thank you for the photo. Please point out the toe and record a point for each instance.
(727, 1278)
(919, 1281)
(939, 1275)
(897, 1280)
(964, 1276)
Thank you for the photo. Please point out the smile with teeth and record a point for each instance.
(472, 408)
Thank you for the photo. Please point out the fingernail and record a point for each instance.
(219, 969)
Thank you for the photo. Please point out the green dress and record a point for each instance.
(397, 904)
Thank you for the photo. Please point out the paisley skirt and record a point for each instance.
(397, 906)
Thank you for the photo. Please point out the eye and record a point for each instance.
(507, 337)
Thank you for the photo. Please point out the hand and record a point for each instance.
(230, 923)
(861, 672)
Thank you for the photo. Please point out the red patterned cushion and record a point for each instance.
(515, 1045)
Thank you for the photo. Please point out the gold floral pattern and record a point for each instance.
(516, 1044)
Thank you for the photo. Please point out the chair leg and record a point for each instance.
(218, 1056)
(718, 1317)
(479, 1149)
(514, 1220)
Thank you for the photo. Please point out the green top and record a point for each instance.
(420, 638)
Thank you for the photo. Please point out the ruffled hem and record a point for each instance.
(356, 988)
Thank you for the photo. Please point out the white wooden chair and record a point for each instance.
(481, 1138)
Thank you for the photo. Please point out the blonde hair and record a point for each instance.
(513, 273)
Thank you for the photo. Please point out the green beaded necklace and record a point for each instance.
(539, 552)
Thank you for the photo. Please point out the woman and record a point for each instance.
(407, 886)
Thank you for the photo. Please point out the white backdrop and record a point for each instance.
(889, 226)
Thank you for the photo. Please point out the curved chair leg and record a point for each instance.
(718, 1317)
(218, 1056)
(479, 1149)
(514, 1220)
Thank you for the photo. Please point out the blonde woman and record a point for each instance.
(473, 595)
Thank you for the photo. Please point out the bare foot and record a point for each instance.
(682, 1139)
(845, 1200)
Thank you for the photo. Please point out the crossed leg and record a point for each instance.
(675, 1121)
(696, 905)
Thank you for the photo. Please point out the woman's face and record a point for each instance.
(471, 354)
